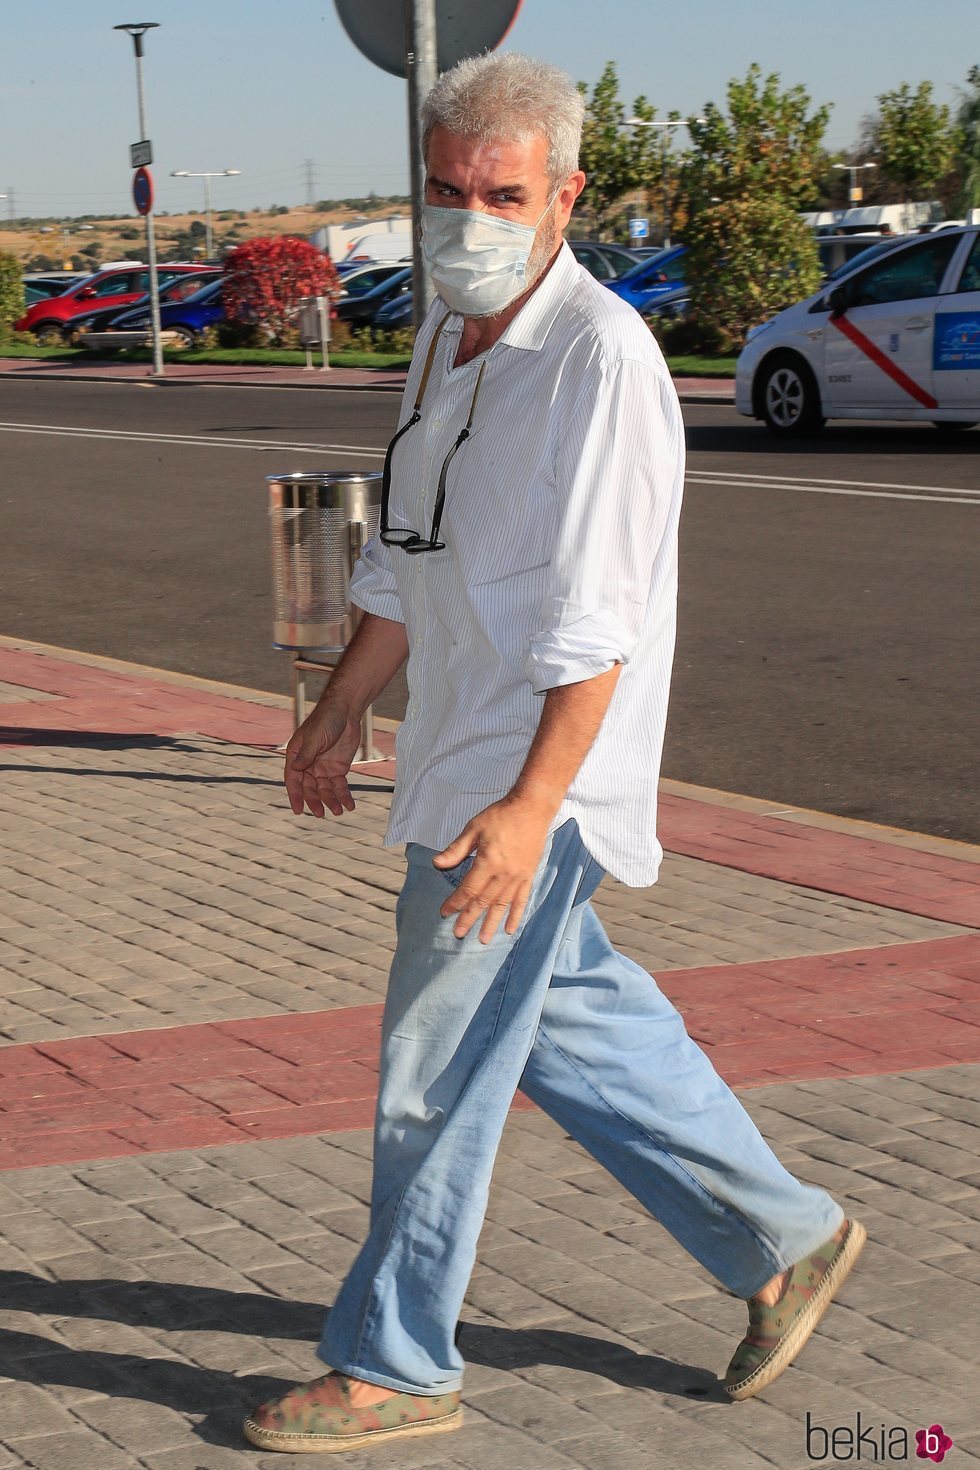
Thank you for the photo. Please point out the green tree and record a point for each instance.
(769, 143)
(11, 292)
(968, 144)
(748, 175)
(748, 258)
(616, 158)
(914, 139)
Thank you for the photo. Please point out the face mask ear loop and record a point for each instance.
(550, 205)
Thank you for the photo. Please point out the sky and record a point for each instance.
(265, 85)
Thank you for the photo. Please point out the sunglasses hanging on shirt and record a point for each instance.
(409, 540)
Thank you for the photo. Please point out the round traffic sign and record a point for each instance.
(143, 190)
(377, 27)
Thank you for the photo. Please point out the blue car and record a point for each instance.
(360, 311)
(395, 314)
(188, 319)
(601, 259)
(651, 279)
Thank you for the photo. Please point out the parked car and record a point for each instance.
(53, 283)
(605, 261)
(117, 287)
(178, 288)
(359, 311)
(670, 306)
(839, 252)
(364, 278)
(360, 262)
(395, 314)
(896, 337)
(663, 272)
(188, 319)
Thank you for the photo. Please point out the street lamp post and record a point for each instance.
(855, 194)
(219, 173)
(138, 30)
(665, 140)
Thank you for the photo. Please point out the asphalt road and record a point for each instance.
(828, 632)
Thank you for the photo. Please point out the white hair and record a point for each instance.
(511, 99)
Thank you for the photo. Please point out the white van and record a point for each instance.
(893, 337)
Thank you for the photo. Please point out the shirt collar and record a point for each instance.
(531, 325)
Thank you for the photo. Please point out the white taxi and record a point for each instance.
(895, 337)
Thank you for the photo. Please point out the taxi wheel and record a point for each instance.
(788, 396)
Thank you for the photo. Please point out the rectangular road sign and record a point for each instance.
(639, 229)
(140, 154)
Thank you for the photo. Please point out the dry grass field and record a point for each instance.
(124, 238)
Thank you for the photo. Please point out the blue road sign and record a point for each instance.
(639, 229)
(143, 190)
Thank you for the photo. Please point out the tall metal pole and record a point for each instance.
(665, 137)
(421, 70)
(208, 244)
(137, 32)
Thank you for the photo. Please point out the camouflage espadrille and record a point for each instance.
(776, 1334)
(319, 1417)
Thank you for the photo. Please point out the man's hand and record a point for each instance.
(508, 838)
(318, 758)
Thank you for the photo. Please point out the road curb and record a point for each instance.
(726, 400)
(153, 382)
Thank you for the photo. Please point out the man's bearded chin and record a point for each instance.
(542, 251)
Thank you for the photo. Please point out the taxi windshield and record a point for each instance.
(872, 251)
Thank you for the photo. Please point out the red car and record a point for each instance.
(117, 286)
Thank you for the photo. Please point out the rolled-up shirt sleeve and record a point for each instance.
(617, 467)
(372, 583)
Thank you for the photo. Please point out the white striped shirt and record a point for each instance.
(561, 560)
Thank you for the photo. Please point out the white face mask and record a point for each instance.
(478, 262)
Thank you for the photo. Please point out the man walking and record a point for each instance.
(526, 568)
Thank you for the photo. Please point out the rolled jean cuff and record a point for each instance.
(367, 1375)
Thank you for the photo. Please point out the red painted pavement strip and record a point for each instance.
(119, 703)
(856, 1013)
(85, 699)
(925, 883)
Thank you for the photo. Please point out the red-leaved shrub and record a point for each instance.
(266, 278)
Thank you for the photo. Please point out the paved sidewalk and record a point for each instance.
(190, 988)
(691, 390)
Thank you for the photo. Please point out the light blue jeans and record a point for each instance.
(588, 1035)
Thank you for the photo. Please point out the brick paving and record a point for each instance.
(189, 999)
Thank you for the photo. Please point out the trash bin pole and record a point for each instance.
(358, 536)
(319, 525)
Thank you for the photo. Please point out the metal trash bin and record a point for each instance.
(313, 320)
(318, 524)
